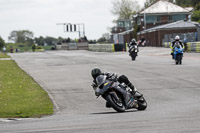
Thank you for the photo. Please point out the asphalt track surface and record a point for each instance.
(172, 92)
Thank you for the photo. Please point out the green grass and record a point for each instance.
(20, 95)
(24, 47)
(3, 55)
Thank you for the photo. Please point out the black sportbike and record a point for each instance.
(119, 96)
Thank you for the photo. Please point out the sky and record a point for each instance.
(43, 16)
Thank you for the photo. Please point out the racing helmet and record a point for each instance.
(177, 38)
(133, 40)
(95, 72)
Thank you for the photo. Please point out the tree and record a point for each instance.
(135, 31)
(106, 36)
(60, 40)
(101, 40)
(196, 16)
(21, 36)
(104, 39)
(191, 3)
(40, 41)
(50, 40)
(149, 2)
(2, 43)
(186, 3)
(124, 9)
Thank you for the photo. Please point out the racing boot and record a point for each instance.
(172, 55)
(134, 91)
(107, 105)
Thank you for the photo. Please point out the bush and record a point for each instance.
(39, 47)
(2, 43)
(33, 47)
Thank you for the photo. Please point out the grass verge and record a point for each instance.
(20, 95)
(3, 55)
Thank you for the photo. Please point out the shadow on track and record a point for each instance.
(103, 113)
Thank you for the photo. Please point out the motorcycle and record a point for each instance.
(118, 95)
(178, 54)
(133, 50)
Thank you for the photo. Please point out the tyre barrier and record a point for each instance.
(101, 47)
(190, 47)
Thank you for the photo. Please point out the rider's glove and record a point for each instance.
(94, 86)
(97, 92)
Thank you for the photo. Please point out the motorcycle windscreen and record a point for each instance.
(100, 80)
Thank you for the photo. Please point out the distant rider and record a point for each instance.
(113, 77)
(177, 40)
(132, 43)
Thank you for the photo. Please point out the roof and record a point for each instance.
(126, 32)
(189, 8)
(124, 20)
(175, 25)
(163, 6)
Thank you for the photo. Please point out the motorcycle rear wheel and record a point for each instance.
(115, 104)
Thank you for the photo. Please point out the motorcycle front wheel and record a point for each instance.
(133, 55)
(179, 59)
(142, 103)
(116, 104)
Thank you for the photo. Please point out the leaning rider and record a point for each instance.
(113, 76)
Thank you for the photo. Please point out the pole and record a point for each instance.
(83, 29)
(79, 31)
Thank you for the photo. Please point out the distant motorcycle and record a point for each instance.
(133, 51)
(119, 96)
(178, 54)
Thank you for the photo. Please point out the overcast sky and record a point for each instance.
(41, 16)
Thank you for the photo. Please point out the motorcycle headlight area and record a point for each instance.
(102, 85)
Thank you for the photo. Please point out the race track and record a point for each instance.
(172, 92)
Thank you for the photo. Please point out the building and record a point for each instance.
(155, 36)
(122, 25)
(122, 33)
(159, 13)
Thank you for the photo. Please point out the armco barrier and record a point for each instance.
(101, 47)
(191, 46)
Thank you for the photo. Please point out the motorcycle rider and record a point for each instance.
(177, 40)
(113, 77)
(131, 47)
(132, 43)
